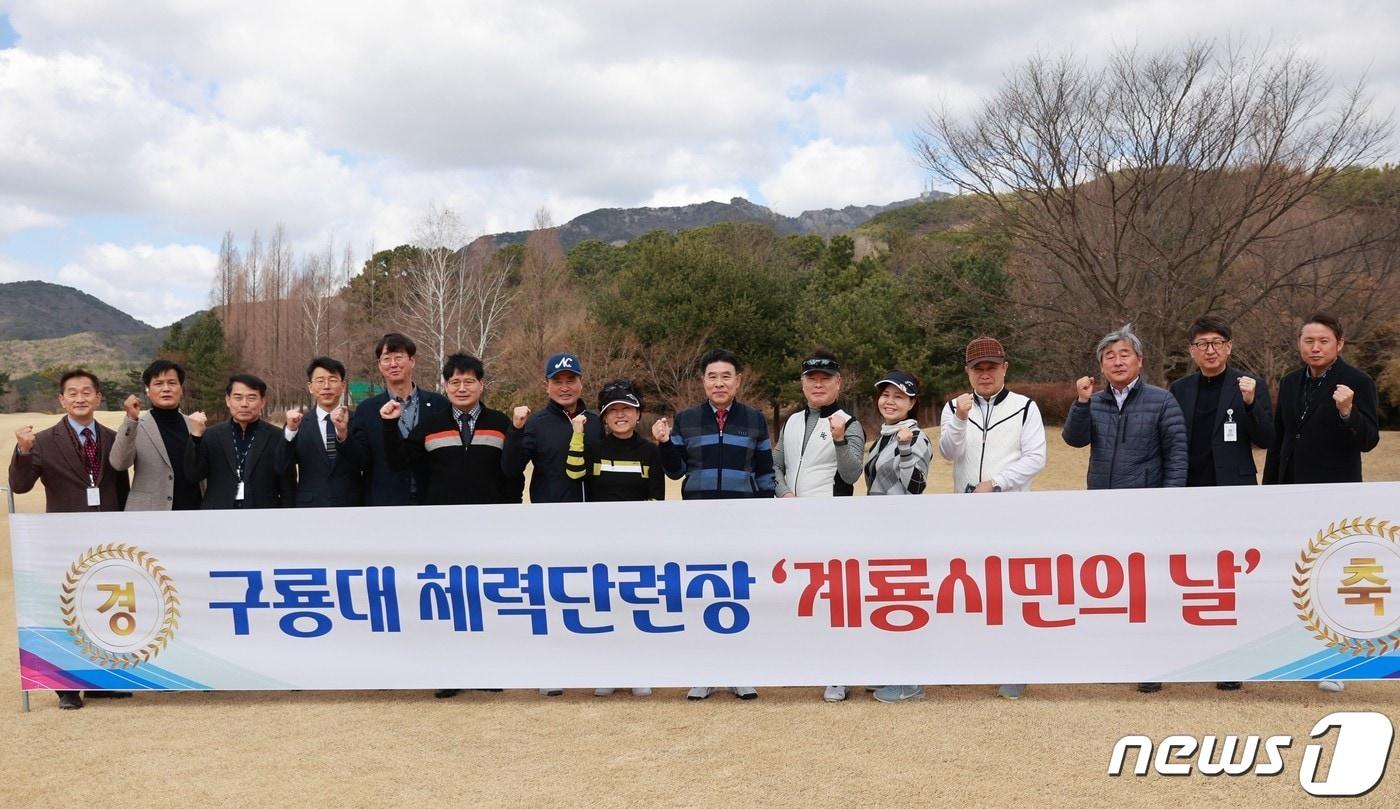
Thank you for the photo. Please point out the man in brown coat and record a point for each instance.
(73, 461)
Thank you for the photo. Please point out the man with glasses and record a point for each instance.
(386, 485)
(1227, 414)
(328, 474)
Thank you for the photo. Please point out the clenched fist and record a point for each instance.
(1247, 389)
(340, 418)
(519, 416)
(294, 419)
(24, 437)
(1084, 387)
(198, 421)
(964, 406)
(838, 427)
(1343, 396)
(661, 431)
(132, 406)
(391, 410)
(578, 422)
(904, 435)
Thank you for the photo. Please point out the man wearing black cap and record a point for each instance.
(994, 437)
(820, 448)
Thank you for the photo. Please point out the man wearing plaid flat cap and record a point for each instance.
(994, 436)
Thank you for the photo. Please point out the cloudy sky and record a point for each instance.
(134, 134)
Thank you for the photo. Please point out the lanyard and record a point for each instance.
(241, 449)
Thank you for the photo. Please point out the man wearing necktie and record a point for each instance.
(328, 473)
(73, 461)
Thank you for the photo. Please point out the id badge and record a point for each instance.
(94, 496)
(238, 495)
(1231, 432)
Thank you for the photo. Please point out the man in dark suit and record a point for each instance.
(1227, 415)
(383, 484)
(1326, 417)
(1227, 412)
(328, 474)
(244, 462)
(73, 461)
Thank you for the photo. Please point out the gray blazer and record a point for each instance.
(139, 443)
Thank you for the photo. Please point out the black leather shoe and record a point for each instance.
(1233, 685)
(444, 693)
(70, 700)
(109, 695)
(1149, 688)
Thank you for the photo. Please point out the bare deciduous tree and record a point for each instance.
(1139, 191)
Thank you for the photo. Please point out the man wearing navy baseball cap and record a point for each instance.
(543, 438)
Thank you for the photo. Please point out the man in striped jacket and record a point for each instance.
(721, 448)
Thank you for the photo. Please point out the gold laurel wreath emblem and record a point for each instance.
(1302, 585)
(170, 605)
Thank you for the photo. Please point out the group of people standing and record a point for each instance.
(410, 446)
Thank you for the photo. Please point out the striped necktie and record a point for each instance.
(331, 444)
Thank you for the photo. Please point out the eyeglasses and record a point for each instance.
(1209, 345)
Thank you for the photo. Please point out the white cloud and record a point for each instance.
(155, 284)
(15, 217)
(345, 120)
(824, 174)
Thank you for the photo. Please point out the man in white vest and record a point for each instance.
(994, 437)
(820, 448)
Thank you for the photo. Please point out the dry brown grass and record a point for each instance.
(400, 748)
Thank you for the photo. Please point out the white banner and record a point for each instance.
(1229, 583)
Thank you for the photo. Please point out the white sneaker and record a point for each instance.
(603, 692)
(834, 693)
(700, 692)
(744, 691)
(1332, 686)
(639, 692)
(551, 692)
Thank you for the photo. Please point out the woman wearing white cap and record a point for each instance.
(898, 464)
(619, 466)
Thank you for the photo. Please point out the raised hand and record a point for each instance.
(519, 416)
(578, 422)
(24, 437)
(132, 406)
(661, 431)
(1343, 396)
(198, 421)
(340, 418)
(838, 427)
(904, 435)
(391, 410)
(1247, 389)
(294, 419)
(1084, 387)
(964, 406)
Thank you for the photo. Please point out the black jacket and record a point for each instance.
(454, 474)
(545, 441)
(268, 477)
(1322, 448)
(322, 482)
(1233, 460)
(383, 484)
